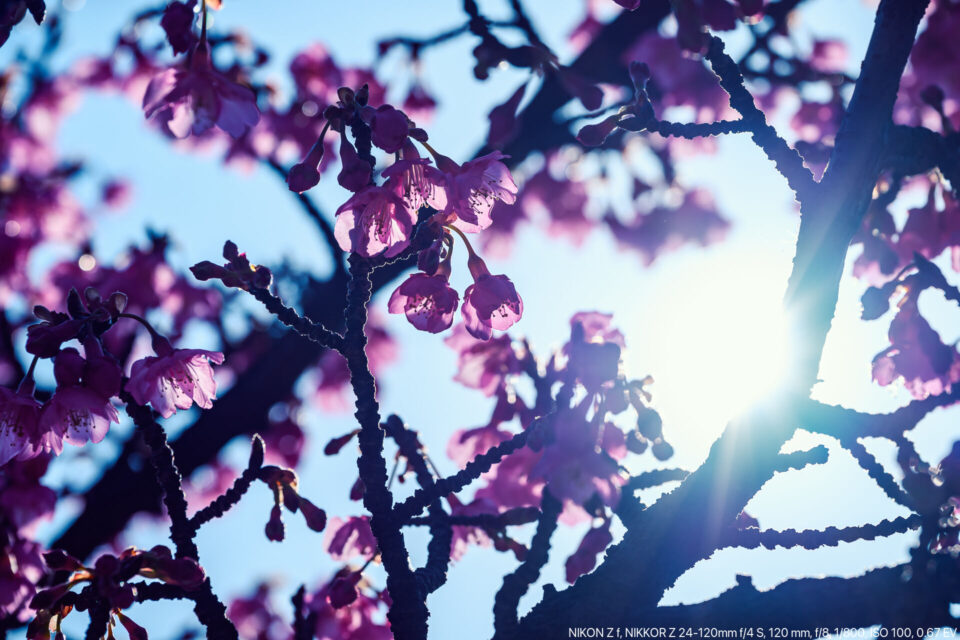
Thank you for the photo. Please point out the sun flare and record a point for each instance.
(721, 339)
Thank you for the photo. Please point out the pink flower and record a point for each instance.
(464, 536)
(20, 572)
(414, 180)
(194, 98)
(696, 220)
(472, 190)
(594, 349)
(374, 221)
(483, 364)
(174, 379)
(348, 538)
(917, 354)
(19, 421)
(77, 415)
(503, 119)
(491, 302)
(467, 444)
(419, 104)
(429, 302)
(177, 23)
(574, 467)
(510, 483)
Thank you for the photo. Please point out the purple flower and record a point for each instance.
(491, 302)
(503, 119)
(388, 126)
(483, 364)
(175, 379)
(75, 414)
(19, 421)
(473, 189)
(374, 221)
(429, 302)
(414, 180)
(574, 467)
(352, 537)
(194, 98)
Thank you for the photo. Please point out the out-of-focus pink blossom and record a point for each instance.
(346, 539)
(695, 221)
(573, 465)
(483, 364)
(194, 98)
(917, 355)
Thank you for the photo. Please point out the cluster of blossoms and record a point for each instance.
(379, 219)
(916, 354)
(109, 580)
(896, 263)
(24, 503)
(80, 409)
(576, 453)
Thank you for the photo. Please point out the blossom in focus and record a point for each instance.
(413, 179)
(79, 410)
(373, 221)
(473, 188)
(194, 98)
(428, 302)
(174, 379)
(490, 303)
(388, 127)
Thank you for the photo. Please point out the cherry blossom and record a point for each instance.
(473, 188)
(428, 302)
(196, 97)
(174, 378)
(374, 221)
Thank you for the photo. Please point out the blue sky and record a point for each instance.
(698, 353)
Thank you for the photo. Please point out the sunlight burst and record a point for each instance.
(721, 338)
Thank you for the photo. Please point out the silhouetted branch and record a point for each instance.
(877, 473)
(301, 324)
(515, 585)
(753, 538)
(787, 160)
(408, 613)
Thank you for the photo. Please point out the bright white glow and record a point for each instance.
(719, 340)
